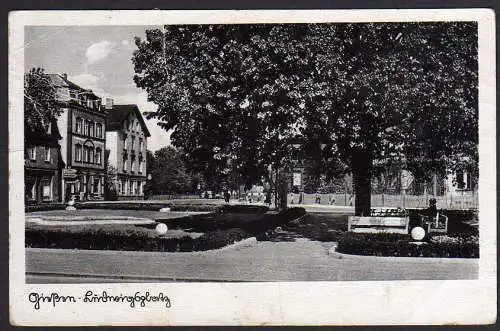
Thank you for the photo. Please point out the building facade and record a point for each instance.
(82, 124)
(126, 141)
(42, 166)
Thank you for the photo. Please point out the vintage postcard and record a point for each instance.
(252, 167)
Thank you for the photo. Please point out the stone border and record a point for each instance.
(332, 251)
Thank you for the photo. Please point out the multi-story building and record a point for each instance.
(82, 124)
(126, 141)
(42, 166)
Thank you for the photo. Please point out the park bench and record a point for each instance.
(438, 224)
(393, 220)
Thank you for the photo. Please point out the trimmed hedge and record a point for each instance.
(147, 206)
(44, 207)
(390, 244)
(125, 238)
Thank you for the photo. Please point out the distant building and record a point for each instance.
(82, 124)
(126, 141)
(42, 166)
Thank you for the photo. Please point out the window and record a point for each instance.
(125, 142)
(91, 184)
(83, 187)
(140, 166)
(85, 127)
(99, 130)
(47, 154)
(91, 155)
(32, 153)
(98, 156)
(96, 184)
(78, 127)
(132, 144)
(92, 129)
(78, 152)
(141, 144)
(124, 165)
(85, 153)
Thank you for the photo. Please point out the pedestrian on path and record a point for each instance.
(317, 198)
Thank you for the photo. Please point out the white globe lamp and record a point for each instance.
(418, 233)
(161, 229)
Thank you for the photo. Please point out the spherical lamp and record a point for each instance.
(418, 233)
(161, 229)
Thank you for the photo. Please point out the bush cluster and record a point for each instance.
(389, 244)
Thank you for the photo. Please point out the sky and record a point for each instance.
(96, 58)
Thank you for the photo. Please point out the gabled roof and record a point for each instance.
(62, 81)
(119, 113)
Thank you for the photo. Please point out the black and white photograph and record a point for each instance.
(269, 154)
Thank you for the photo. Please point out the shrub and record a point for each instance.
(387, 244)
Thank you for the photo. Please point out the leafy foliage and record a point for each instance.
(40, 101)
(169, 174)
(238, 96)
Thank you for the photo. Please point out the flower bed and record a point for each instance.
(389, 244)
(218, 229)
(320, 227)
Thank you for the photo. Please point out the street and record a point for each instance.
(302, 260)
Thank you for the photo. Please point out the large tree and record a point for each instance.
(238, 96)
(393, 92)
(227, 93)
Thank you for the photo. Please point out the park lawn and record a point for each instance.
(314, 226)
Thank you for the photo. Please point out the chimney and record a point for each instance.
(64, 75)
(109, 103)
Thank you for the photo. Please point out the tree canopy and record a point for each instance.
(237, 97)
(169, 175)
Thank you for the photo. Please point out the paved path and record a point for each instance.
(266, 261)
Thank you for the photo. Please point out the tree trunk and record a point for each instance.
(281, 190)
(361, 171)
